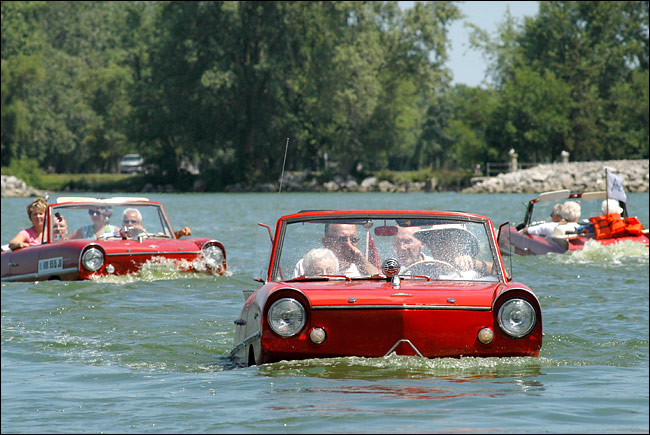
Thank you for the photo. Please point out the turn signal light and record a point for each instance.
(317, 335)
(486, 335)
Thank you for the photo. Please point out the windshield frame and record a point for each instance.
(376, 216)
(160, 216)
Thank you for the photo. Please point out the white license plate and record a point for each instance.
(50, 264)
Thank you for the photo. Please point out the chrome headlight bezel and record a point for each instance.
(213, 256)
(92, 259)
(286, 317)
(517, 317)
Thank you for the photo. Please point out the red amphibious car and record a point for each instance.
(83, 252)
(513, 241)
(376, 283)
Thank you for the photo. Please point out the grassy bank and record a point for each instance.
(77, 182)
(445, 180)
(92, 182)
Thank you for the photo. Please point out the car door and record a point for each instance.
(21, 263)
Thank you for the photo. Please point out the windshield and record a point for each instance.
(441, 249)
(103, 221)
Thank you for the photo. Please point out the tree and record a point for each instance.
(561, 76)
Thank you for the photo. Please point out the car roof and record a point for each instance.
(112, 201)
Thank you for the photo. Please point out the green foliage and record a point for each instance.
(357, 87)
(92, 182)
(26, 170)
(573, 78)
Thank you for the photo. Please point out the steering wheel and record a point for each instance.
(449, 266)
(127, 232)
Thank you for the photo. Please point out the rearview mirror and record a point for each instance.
(385, 230)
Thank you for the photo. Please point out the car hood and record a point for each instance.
(450, 294)
(151, 245)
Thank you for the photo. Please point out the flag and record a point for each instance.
(615, 187)
(373, 254)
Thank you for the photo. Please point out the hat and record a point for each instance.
(610, 206)
(429, 235)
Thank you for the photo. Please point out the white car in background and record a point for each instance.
(131, 163)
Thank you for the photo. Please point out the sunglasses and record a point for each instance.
(343, 239)
(94, 212)
(130, 221)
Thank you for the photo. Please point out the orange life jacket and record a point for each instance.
(613, 225)
(633, 226)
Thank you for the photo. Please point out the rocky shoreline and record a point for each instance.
(575, 176)
(15, 187)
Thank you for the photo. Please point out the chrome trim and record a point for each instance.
(505, 295)
(400, 307)
(152, 253)
(245, 343)
(36, 275)
(403, 340)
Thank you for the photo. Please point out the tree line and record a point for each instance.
(355, 86)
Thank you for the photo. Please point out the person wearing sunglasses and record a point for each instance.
(100, 227)
(342, 240)
(132, 222)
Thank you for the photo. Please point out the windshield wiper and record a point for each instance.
(427, 278)
(319, 278)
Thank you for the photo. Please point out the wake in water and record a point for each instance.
(161, 268)
(407, 367)
(611, 255)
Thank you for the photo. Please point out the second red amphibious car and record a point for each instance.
(375, 283)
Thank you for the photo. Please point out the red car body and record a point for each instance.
(513, 241)
(378, 315)
(117, 253)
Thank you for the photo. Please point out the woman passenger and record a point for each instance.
(100, 225)
(34, 235)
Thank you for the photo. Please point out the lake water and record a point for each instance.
(150, 354)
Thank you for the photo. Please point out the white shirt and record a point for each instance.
(560, 230)
(545, 229)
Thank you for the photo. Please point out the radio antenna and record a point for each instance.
(284, 162)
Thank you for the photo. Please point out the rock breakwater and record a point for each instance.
(575, 176)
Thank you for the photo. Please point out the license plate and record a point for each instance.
(50, 264)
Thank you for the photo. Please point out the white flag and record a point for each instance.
(615, 187)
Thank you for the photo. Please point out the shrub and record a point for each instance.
(26, 170)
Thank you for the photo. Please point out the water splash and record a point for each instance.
(161, 268)
(607, 255)
(405, 367)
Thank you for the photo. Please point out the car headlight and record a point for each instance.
(286, 317)
(213, 256)
(517, 317)
(92, 259)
